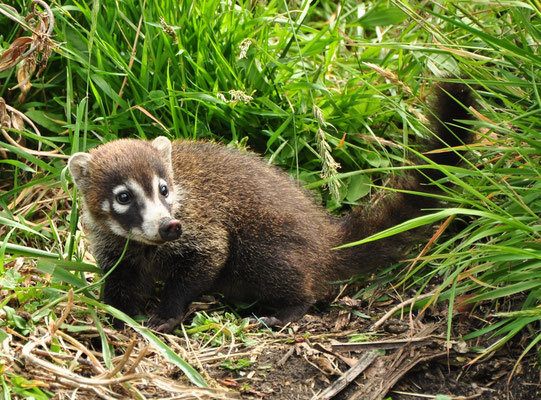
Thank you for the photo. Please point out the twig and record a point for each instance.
(40, 41)
(69, 378)
(78, 345)
(61, 356)
(349, 376)
(122, 362)
(49, 14)
(382, 345)
(53, 153)
(405, 303)
(430, 396)
(350, 362)
(140, 356)
(36, 44)
(54, 327)
(286, 356)
(11, 17)
(401, 364)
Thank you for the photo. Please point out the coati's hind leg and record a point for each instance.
(285, 283)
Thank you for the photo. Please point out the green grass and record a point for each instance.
(306, 95)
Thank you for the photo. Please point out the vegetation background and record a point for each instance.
(333, 92)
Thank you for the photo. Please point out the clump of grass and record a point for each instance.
(219, 329)
(253, 75)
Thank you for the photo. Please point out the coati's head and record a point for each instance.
(127, 186)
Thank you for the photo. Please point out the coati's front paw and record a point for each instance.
(161, 324)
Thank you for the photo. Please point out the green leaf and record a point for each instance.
(359, 186)
(307, 85)
(8, 222)
(48, 121)
(533, 312)
(29, 251)
(157, 95)
(60, 274)
(18, 164)
(100, 82)
(10, 280)
(507, 290)
(3, 335)
(33, 159)
(73, 265)
(379, 16)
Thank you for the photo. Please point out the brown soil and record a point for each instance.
(304, 360)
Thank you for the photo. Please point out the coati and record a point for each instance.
(204, 218)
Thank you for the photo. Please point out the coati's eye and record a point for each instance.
(123, 197)
(164, 191)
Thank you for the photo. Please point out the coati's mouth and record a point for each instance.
(169, 230)
(152, 242)
(155, 242)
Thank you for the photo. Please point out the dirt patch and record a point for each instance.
(411, 362)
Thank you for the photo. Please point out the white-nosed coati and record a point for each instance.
(203, 218)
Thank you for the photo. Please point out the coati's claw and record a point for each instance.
(164, 325)
(268, 322)
(287, 314)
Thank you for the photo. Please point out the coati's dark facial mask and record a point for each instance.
(145, 215)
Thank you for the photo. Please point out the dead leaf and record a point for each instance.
(326, 366)
(17, 122)
(5, 121)
(11, 56)
(24, 73)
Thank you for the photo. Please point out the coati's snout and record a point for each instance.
(170, 229)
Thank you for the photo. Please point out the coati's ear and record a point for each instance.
(163, 145)
(78, 165)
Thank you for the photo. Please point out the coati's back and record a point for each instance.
(275, 230)
(208, 218)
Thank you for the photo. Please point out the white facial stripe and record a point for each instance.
(116, 228)
(120, 208)
(152, 209)
(119, 188)
(137, 190)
